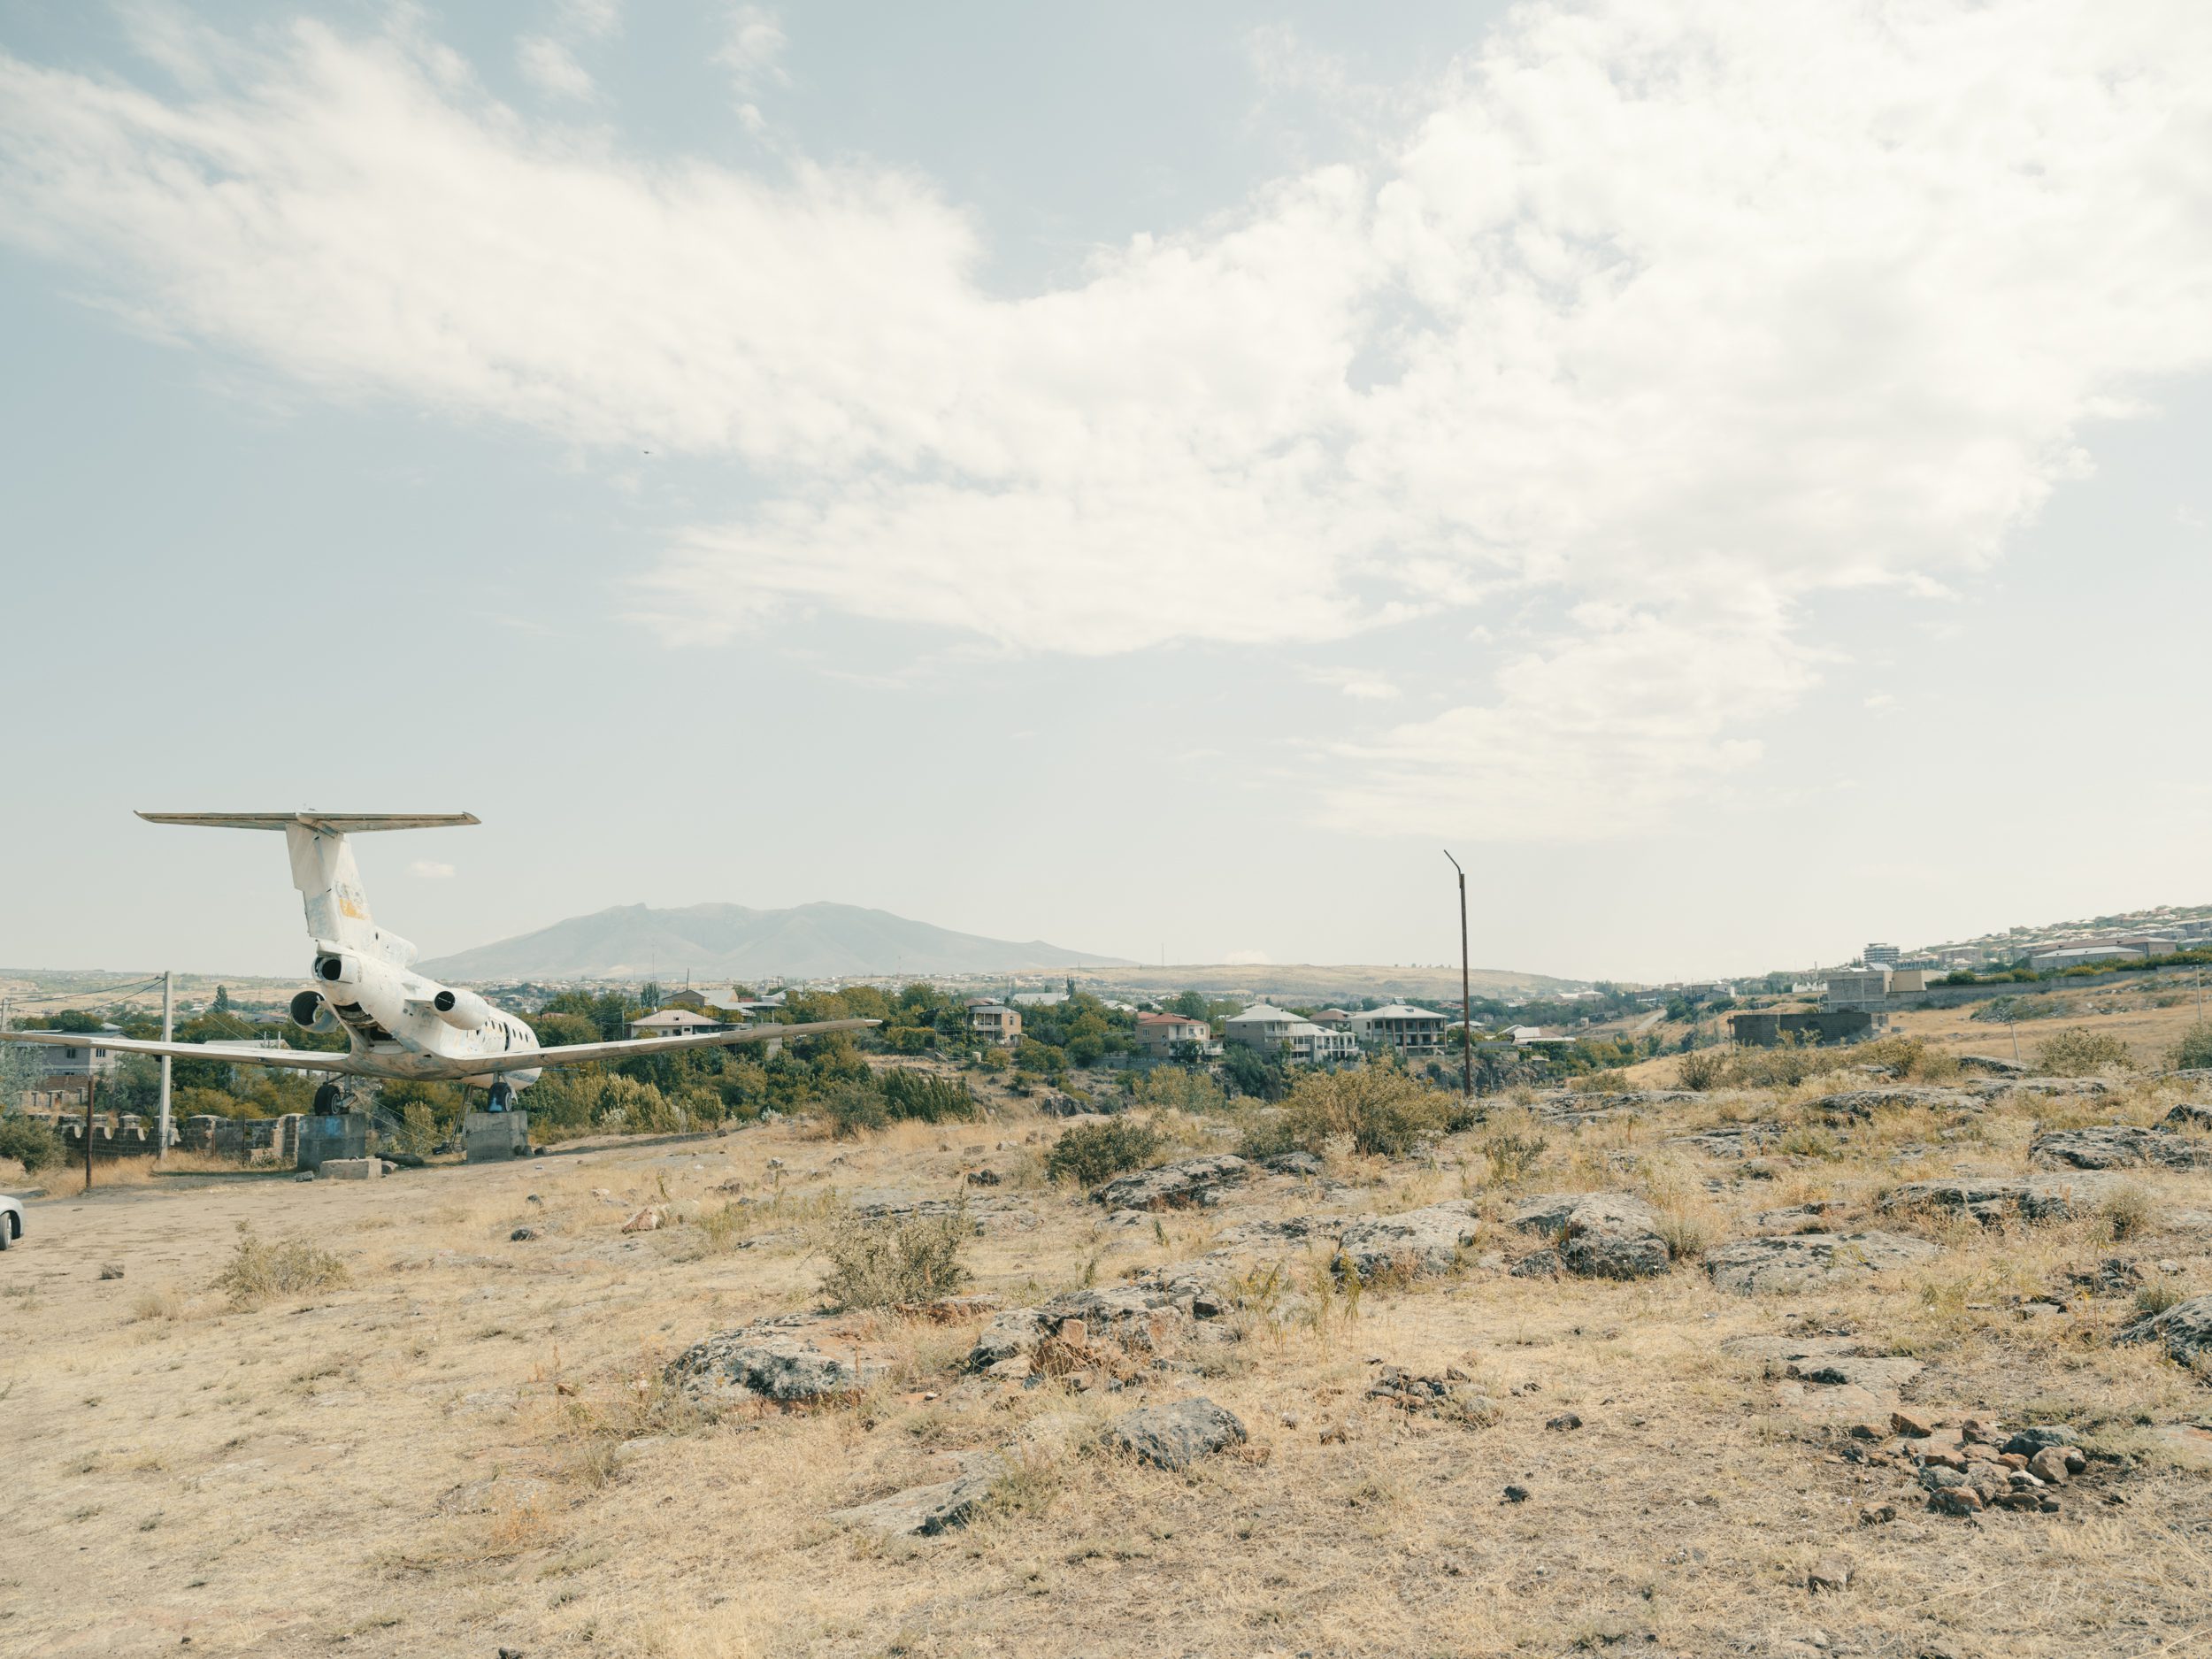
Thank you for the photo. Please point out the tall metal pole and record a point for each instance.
(1466, 1001)
(168, 1025)
(91, 1089)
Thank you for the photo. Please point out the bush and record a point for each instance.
(925, 1097)
(1701, 1069)
(2193, 1051)
(1511, 1155)
(1250, 1072)
(2078, 1053)
(880, 1263)
(1089, 1153)
(29, 1142)
(258, 1269)
(852, 1108)
(1381, 1110)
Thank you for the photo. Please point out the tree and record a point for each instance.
(222, 999)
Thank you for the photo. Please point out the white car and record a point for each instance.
(11, 1220)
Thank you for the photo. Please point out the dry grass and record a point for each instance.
(466, 1445)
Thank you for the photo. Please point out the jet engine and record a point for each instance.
(310, 1012)
(463, 1008)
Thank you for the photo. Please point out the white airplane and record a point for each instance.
(399, 1024)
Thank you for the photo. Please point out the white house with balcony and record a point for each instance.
(1410, 1031)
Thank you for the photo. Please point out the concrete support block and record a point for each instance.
(351, 1170)
(323, 1137)
(493, 1136)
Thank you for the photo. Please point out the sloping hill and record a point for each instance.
(732, 941)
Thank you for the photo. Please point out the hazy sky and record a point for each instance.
(1146, 477)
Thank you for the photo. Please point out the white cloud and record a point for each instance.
(1355, 682)
(429, 869)
(553, 69)
(752, 49)
(1683, 315)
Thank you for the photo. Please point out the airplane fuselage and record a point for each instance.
(401, 1025)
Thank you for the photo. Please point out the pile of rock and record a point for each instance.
(1452, 1397)
(1991, 1199)
(1174, 1436)
(1136, 1318)
(1409, 1244)
(1978, 1466)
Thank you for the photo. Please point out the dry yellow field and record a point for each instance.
(466, 1447)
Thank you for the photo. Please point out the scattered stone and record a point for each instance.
(1517, 1495)
(2189, 1115)
(770, 1361)
(926, 1511)
(2028, 1442)
(1599, 1235)
(1174, 1436)
(647, 1220)
(1832, 1574)
(1426, 1240)
(1992, 1064)
(1173, 1186)
(2185, 1329)
(1881, 1515)
(983, 1177)
(2116, 1147)
(2048, 1466)
(1565, 1421)
(522, 1235)
(1810, 1218)
(1955, 1501)
(1800, 1262)
(111, 1270)
(1294, 1164)
(1911, 1423)
(1450, 1396)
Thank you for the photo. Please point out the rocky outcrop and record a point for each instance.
(1992, 1065)
(1860, 1103)
(1804, 1262)
(2188, 1116)
(925, 1511)
(1174, 1436)
(773, 1361)
(1991, 1199)
(1599, 1235)
(2116, 1147)
(1414, 1242)
(1173, 1186)
(2184, 1329)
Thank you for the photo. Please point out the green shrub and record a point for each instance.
(1701, 1069)
(2078, 1053)
(925, 1097)
(1381, 1110)
(29, 1142)
(1089, 1153)
(852, 1108)
(2193, 1051)
(880, 1263)
(1511, 1155)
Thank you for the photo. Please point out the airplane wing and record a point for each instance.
(336, 822)
(288, 1059)
(585, 1052)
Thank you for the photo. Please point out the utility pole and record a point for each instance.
(168, 1025)
(91, 1090)
(1466, 1001)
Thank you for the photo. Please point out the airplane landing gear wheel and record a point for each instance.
(329, 1101)
(503, 1096)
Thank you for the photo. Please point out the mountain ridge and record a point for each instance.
(812, 941)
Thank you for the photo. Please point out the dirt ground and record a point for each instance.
(466, 1447)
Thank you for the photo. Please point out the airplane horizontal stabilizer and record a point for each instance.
(330, 823)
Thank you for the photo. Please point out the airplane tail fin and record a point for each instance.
(323, 870)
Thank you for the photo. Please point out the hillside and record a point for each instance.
(817, 941)
(1307, 982)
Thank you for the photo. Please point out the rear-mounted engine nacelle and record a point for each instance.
(338, 968)
(310, 1012)
(463, 1008)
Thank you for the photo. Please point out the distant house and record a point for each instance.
(1266, 1029)
(995, 1023)
(1335, 1017)
(1856, 987)
(1038, 999)
(1410, 1031)
(75, 1060)
(675, 1022)
(2083, 955)
(702, 997)
(1160, 1034)
(1529, 1036)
